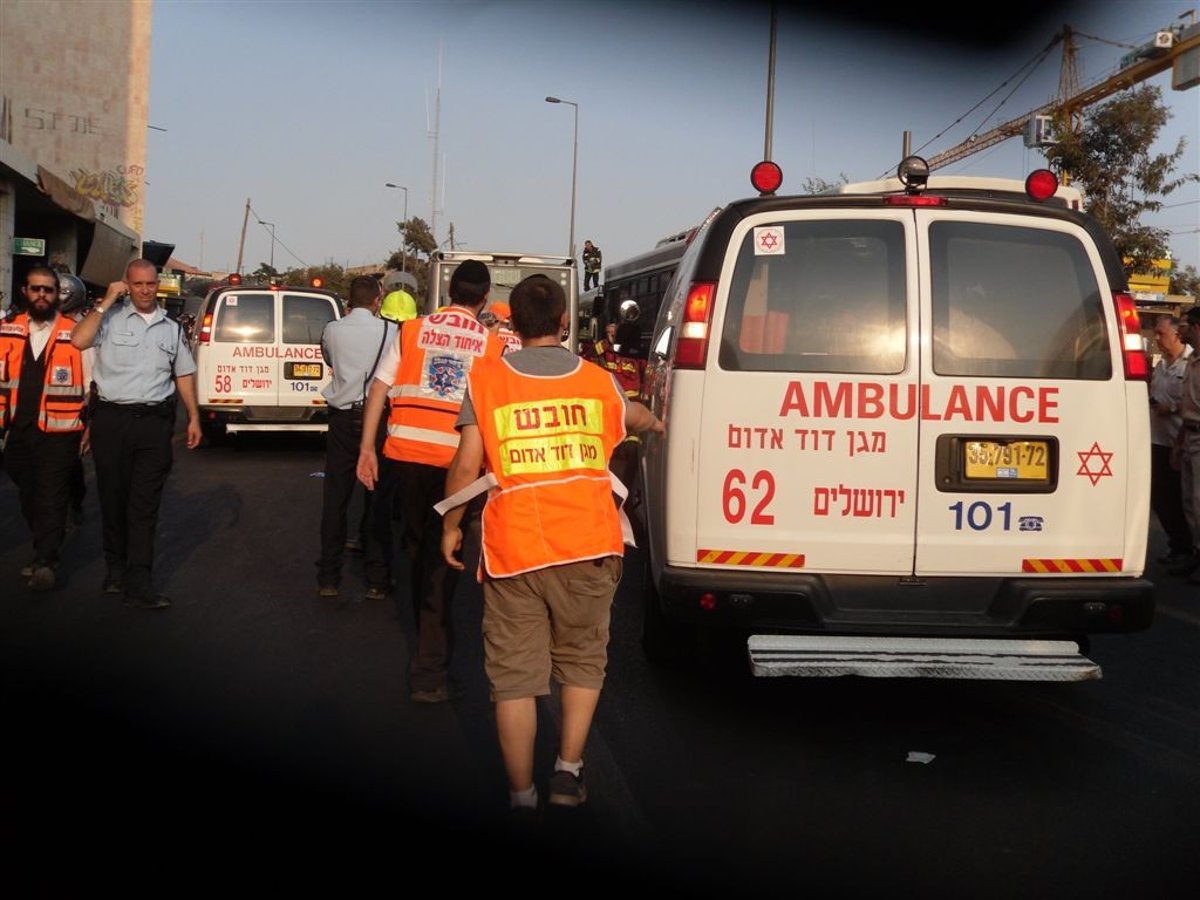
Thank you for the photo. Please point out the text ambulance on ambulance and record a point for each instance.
(259, 365)
(907, 433)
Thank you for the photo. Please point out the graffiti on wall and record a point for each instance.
(113, 188)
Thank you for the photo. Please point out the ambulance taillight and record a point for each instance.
(205, 329)
(694, 329)
(1133, 353)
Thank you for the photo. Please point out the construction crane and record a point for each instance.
(1142, 63)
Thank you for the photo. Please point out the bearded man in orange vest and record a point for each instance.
(43, 388)
(428, 365)
(543, 423)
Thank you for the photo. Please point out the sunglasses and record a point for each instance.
(43, 288)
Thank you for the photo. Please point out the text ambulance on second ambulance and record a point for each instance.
(259, 365)
(907, 433)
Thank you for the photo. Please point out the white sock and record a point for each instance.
(523, 798)
(561, 765)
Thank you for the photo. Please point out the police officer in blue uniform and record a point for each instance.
(352, 347)
(142, 368)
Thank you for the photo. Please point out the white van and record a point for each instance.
(907, 433)
(259, 365)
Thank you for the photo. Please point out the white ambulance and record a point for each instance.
(907, 433)
(259, 365)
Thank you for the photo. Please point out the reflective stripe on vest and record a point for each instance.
(437, 353)
(63, 390)
(548, 442)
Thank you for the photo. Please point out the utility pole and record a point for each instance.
(242, 243)
(437, 124)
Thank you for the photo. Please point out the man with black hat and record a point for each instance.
(428, 367)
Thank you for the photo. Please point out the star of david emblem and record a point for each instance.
(769, 241)
(1094, 463)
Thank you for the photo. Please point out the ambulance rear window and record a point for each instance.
(246, 319)
(829, 297)
(305, 317)
(1015, 302)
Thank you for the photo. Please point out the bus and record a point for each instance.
(506, 270)
(633, 289)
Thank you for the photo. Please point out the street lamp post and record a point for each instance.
(270, 225)
(574, 165)
(403, 249)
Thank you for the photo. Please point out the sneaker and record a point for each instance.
(437, 695)
(114, 583)
(354, 545)
(27, 569)
(42, 578)
(328, 591)
(1172, 557)
(376, 593)
(157, 601)
(567, 789)
(1187, 565)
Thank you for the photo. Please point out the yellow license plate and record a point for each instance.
(306, 370)
(1007, 460)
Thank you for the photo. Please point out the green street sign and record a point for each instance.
(29, 246)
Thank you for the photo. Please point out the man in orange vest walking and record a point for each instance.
(428, 365)
(544, 423)
(43, 389)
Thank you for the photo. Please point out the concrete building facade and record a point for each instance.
(74, 111)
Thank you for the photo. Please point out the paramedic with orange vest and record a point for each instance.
(428, 365)
(544, 423)
(43, 389)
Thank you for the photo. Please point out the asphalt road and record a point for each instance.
(254, 735)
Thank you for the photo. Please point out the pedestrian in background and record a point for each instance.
(399, 306)
(43, 392)
(552, 539)
(498, 319)
(429, 365)
(352, 347)
(592, 260)
(1166, 489)
(1186, 451)
(143, 369)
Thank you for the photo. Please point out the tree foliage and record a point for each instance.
(1109, 159)
(1186, 281)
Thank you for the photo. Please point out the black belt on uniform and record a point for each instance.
(164, 408)
(1191, 425)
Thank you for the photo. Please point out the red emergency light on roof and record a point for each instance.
(235, 279)
(318, 281)
(766, 177)
(1041, 184)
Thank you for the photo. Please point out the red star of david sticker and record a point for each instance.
(769, 241)
(1094, 463)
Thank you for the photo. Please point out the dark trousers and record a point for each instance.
(131, 450)
(341, 461)
(591, 280)
(41, 466)
(1166, 499)
(431, 581)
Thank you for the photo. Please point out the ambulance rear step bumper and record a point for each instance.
(895, 657)
(233, 427)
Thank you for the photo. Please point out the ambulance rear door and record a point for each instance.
(1033, 444)
(806, 411)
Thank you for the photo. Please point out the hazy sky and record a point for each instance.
(308, 108)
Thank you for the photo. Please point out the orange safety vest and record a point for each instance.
(437, 352)
(63, 391)
(548, 442)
